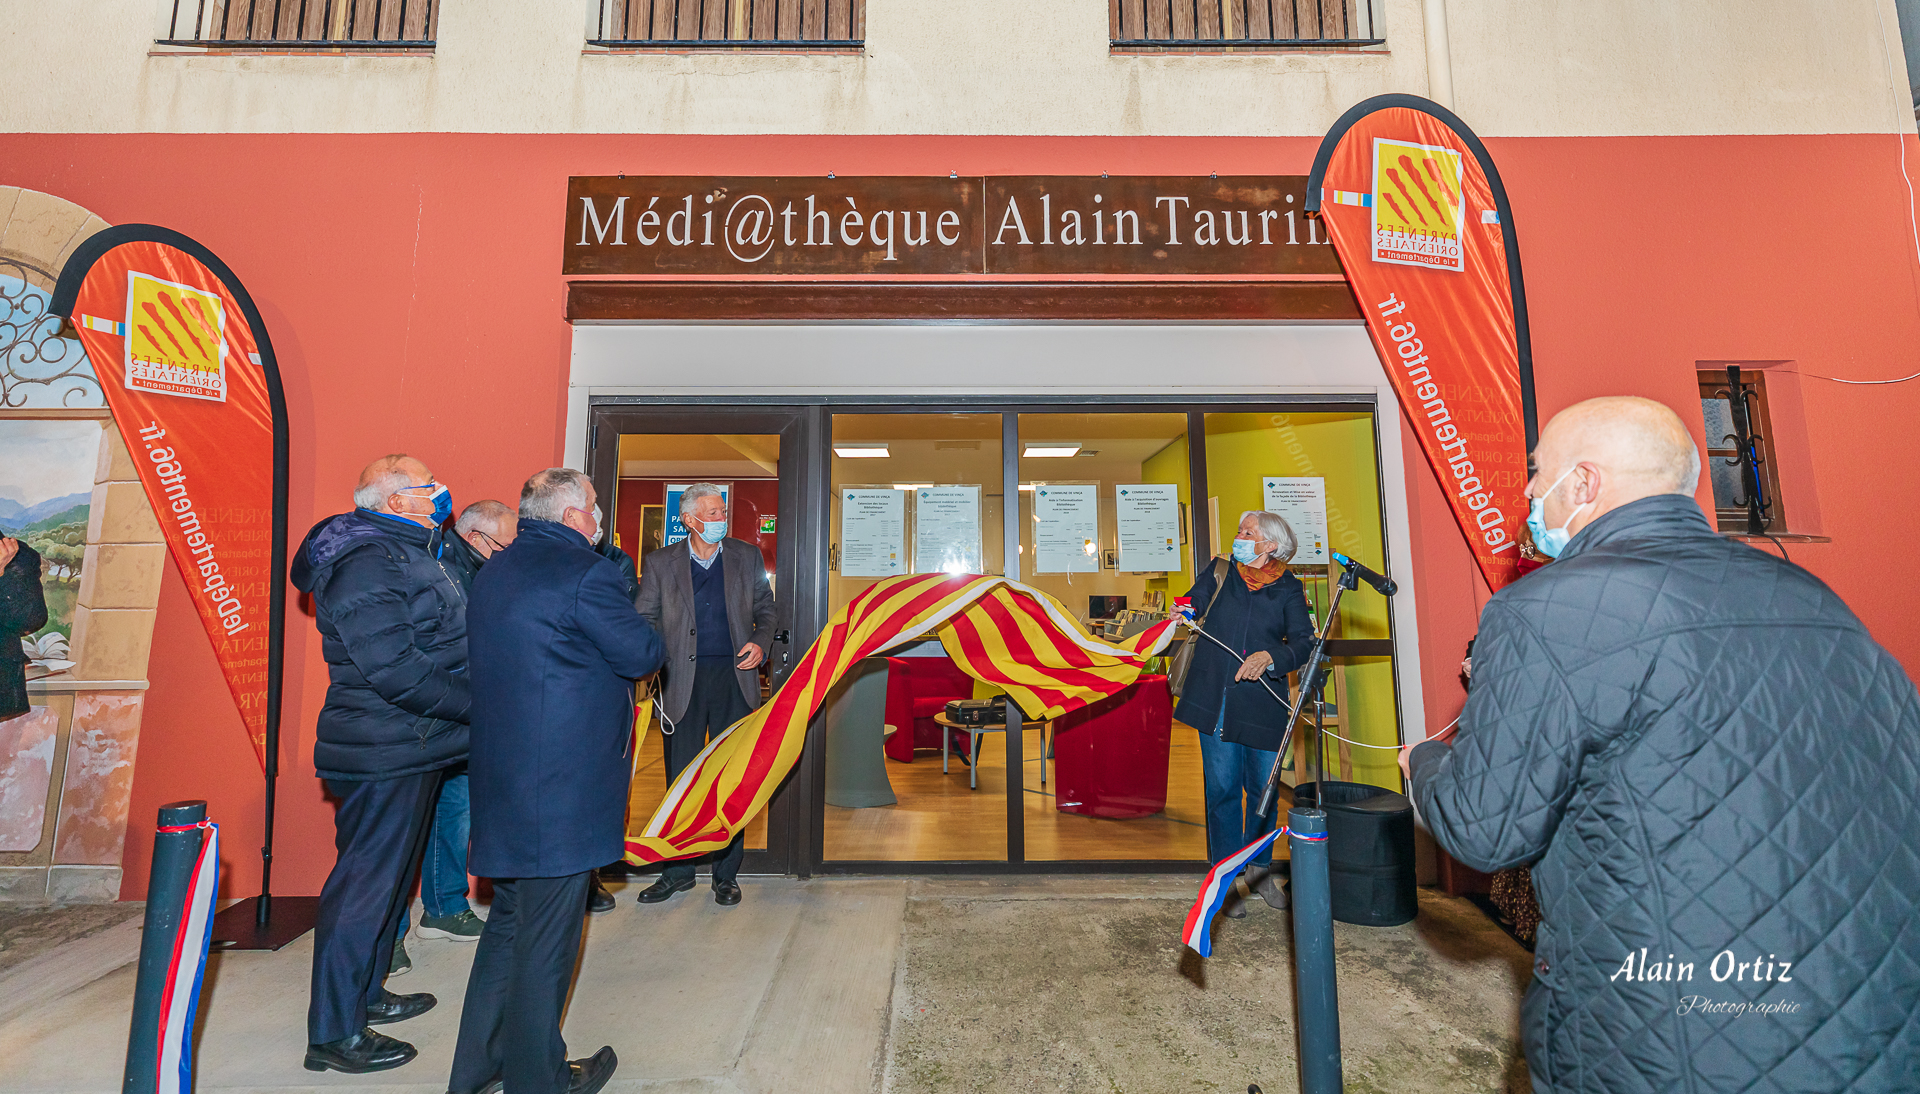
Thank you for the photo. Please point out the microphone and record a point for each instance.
(1381, 584)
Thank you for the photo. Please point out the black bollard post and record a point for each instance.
(1319, 999)
(174, 855)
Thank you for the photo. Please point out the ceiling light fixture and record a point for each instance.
(861, 451)
(1048, 449)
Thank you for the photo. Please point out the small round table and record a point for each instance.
(973, 761)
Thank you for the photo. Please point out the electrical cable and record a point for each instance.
(1195, 627)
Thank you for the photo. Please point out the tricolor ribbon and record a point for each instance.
(1219, 885)
(181, 998)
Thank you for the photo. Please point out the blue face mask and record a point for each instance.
(442, 501)
(1550, 541)
(1243, 551)
(713, 531)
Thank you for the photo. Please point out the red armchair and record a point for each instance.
(917, 689)
(1110, 757)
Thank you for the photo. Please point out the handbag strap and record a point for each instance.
(1219, 586)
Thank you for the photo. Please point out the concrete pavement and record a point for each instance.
(869, 985)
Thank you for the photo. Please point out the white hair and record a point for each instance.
(1274, 529)
(550, 493)
(690, 497)
(486, 512)
(382, 479)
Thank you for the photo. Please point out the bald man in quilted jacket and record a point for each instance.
(1715, 771)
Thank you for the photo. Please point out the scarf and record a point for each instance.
(1262, 576)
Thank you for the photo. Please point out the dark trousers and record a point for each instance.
(517, 989)
(379, 830)
(715, 705)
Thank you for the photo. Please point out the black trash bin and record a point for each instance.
(1369, 852)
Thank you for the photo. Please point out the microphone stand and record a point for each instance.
(1312, 679)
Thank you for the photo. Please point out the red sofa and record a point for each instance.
(1110, 757)
(917, 689)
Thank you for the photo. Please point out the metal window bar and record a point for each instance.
(310, 24)
(732, 24)
(1215, 24)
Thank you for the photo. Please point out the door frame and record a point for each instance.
(800, 601)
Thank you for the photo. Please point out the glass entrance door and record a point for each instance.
(644, 461)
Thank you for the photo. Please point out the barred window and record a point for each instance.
(731, 24)
(307, 24)
(1726, 464)
(1222, 24)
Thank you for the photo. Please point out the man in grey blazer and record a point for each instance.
(709, 598)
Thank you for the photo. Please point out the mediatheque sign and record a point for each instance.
(1151, 225)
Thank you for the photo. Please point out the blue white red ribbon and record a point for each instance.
(189, 964)
(1214, 892)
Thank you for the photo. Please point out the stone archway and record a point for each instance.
(66, 767)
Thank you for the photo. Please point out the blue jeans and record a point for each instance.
(1228, 771)
(443, 869)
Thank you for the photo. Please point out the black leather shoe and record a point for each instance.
(664, 888)
(359, 1054)
(598, 899)
(589, 1075)
(726, 893)
(399, 1008)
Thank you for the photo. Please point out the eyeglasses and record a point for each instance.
(497, 545)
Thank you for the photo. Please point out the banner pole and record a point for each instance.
(276, 605)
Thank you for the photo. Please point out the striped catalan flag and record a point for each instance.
(1001, 632)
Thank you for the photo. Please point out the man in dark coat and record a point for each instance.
(392, 618)
(23, 610)
(709, 598)
(556, 647)
(1714, 766)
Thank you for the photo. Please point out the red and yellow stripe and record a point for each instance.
(1001, 632)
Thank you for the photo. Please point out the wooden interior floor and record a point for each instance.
(938, 819)
(649, 787)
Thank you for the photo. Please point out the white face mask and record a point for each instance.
(598, 532)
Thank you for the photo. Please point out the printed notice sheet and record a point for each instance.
(1302, 503)
(1147, 516)
(946, 530)
(873, 532)
(1066, 528)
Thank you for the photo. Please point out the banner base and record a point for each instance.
(289, 917)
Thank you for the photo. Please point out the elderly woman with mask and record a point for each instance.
(1251, 603)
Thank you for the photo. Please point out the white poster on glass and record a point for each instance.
(946, 530)
(873, 532)
(1302, 503)
(1066, 529)
(1147, 516)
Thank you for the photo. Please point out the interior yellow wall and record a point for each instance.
(1244, 448)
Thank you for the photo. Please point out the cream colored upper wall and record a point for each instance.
(1519, 67)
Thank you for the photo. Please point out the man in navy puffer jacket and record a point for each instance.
(392, 618)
